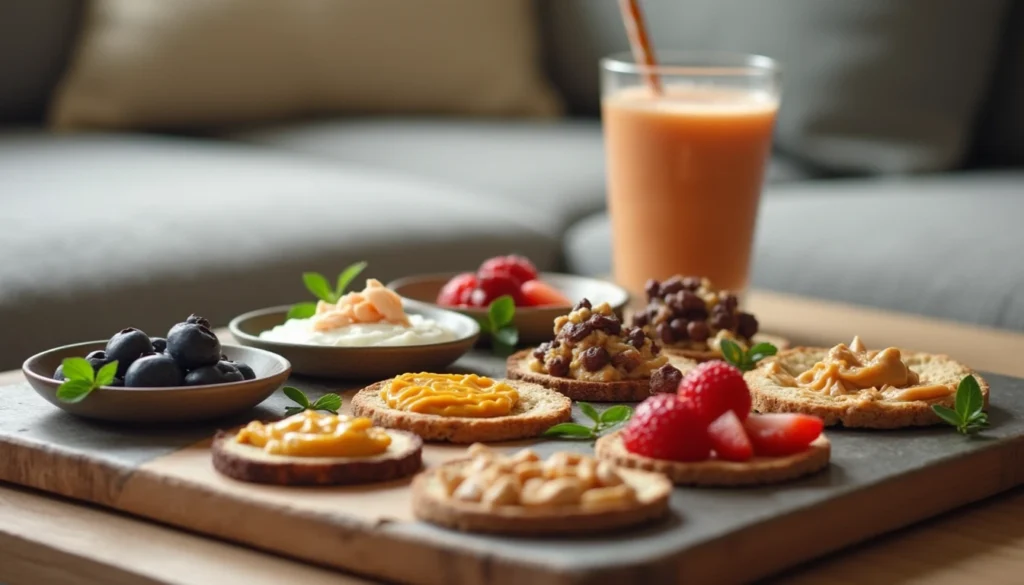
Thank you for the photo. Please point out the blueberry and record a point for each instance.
(219, 373)
(59, 374)
(155, 370)
(193, 345)
(159, 344)
(126, 347)
(246, 371)
(97, 359)
(197, 320)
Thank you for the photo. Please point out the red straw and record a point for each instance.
(643, 52)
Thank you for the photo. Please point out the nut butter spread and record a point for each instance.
(450, 395)
(591, 344)
(314, 434)
(523, 479)
(855, 370)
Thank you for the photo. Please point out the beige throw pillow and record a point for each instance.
(162, 64)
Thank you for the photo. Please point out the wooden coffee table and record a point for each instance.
(45, 540)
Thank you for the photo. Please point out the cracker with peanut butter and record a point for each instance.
(857, 387)
(593, 357)
(312, 448)
(462, 408)
(567, 493)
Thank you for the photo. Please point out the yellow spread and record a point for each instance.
(314, 434)
(450, 395)
(374, 304)
(849, 370)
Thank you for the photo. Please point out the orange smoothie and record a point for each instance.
(684, 180)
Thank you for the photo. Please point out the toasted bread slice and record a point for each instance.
(852, 410)
(518, 368)
(717, 472)
(706, 355)
(537, 410)
(249, 463)
(431, 503)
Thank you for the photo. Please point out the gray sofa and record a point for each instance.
(916, 210)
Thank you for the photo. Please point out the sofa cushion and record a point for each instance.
(944, 246)
(101, 232)
(871, 86)
(1000, 139)
(556, 167)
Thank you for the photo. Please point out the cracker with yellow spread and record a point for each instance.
(858, 387)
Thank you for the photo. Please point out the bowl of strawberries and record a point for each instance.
(539, 297)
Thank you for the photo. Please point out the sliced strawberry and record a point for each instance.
(780, 434)
(665, 427)
(489, 288)
(728, 438)
(456, 291)
(518, 268)
(537, 293)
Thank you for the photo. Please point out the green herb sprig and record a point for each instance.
(328, 402)
(81, 379)
(498, 324)
(610, 418)
(746, 360)
(969, 415)
(318, 285)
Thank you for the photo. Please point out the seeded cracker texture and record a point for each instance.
(252, 464)
(849, 411)
(716, 472)
(518, 368)
(431, 503)
(537, 410)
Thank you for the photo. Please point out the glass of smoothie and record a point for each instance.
(687, 142)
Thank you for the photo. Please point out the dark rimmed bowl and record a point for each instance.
(361, 363)
(535, 324)
(152, 405)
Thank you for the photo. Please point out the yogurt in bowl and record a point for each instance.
(373, 317)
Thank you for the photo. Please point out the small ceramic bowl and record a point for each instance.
(151, 405)
(361, 363)
(535, 324)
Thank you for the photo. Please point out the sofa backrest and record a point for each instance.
(871, 86)
(1000, 132)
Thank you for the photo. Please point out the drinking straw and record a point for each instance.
(639, 42)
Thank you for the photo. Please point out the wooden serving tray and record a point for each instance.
(878, 481)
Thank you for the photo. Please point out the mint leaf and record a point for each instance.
(329, 402)
(74, 390)
(616, 414)
(761, 351)
(317, 284)
(106, 374)
(975, 400)
(296, 396)
(570, 431)
(947, 414)
(301, 311)
(293, 410)
(589, 411)
(346, 277)
(732, 353)
(76, 368)
(501, 311)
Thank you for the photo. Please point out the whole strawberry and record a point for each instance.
(665, 427)
(714, 388)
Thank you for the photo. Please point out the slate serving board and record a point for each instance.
(878, 481)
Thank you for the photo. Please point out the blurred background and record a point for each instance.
(160, 157)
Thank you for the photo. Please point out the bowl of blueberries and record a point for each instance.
(132, 377)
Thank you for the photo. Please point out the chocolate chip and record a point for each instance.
(729, 301)
(609, 325)
(672, 286)
(675, 301)
(638, 319)
(700, 314)
(542, 350)
(558, 367)
(595, 358)
(665, 379)
(691, 301)
(678, 327)
(577, 332)
(665, 333)
(691, 283)
(652, 288)
(698, 331)
(746, 325)
(652, 310)
(627, 360)
(636, 337)
(583, 304)
(720, 319)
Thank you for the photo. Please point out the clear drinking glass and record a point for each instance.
(685, 163)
